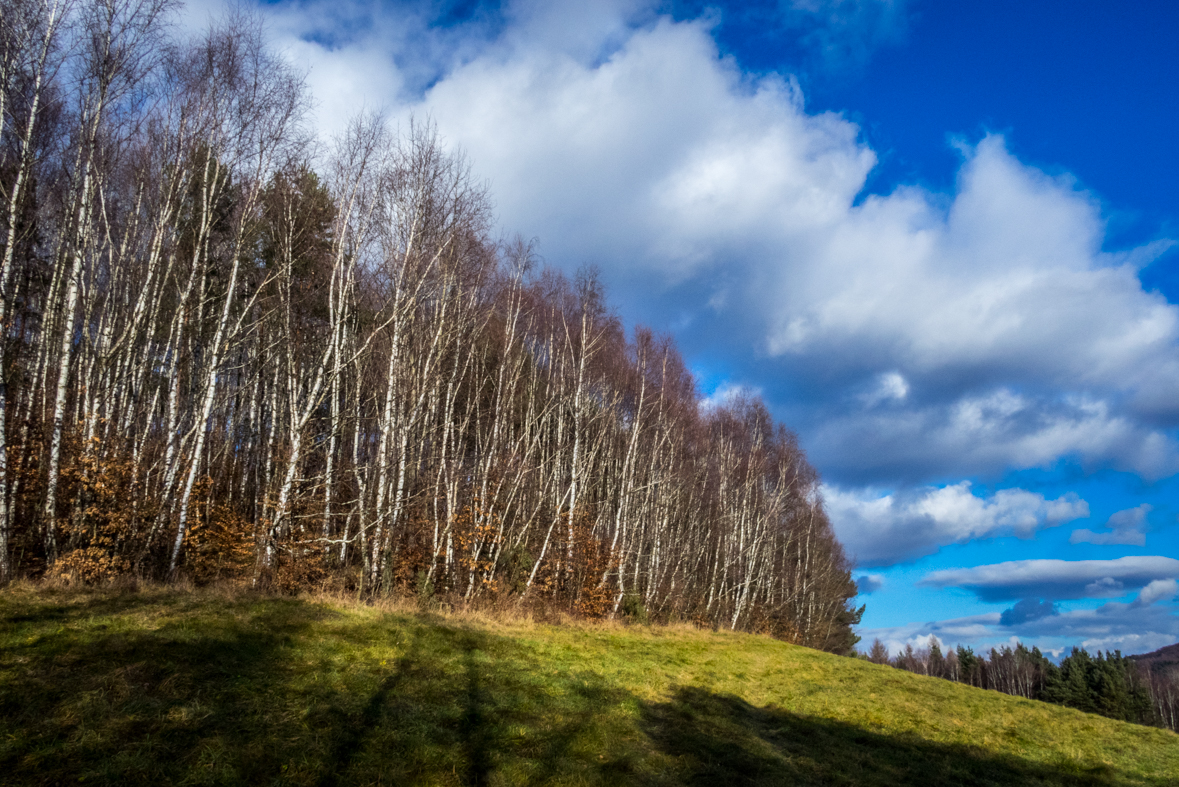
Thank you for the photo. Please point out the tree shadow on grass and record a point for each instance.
(470, 708)
(87, 697)
(720, 739)
(247, 692)
(63, 605)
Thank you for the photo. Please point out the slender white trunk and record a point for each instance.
(16, 196)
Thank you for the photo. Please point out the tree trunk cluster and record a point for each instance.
(230, 350)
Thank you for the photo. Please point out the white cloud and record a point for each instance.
(1005, 281)
(890, 387)
(1056, 579)
(1125, 527)
(985, 433)
(727, 394)
(1158, 590)
(869, 583)
(1027, 341)
(1130, 643)
(881, 529)
(661, 157)
(1104, 587)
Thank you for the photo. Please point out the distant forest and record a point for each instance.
(232, 350)
(1138, 689)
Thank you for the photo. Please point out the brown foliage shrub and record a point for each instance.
(299, 568)
(579, 581)
(477, 532)
(90, 566)
(220, 545)
(103, 530)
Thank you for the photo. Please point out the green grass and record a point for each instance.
(169, 687)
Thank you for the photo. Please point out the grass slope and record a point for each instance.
(164, 687)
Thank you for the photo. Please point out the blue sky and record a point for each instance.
(936, 237)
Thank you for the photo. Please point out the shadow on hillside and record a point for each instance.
(277, 691)
(253, 692)
(470, 708)
(721, 739)
(85, 698)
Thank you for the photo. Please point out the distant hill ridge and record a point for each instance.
(1162, 657)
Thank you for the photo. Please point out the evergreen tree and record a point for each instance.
(937, 662)
(969, 668)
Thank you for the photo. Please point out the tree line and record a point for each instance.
(1108, 684)
(231, 349)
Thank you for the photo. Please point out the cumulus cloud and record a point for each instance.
(982, 432)
(889, 387)
(1125, 527)
(1158, 590)
(1056, 579)
(869, 583)
(726, 394)
(1003, 280)
(1026, 610)
(659, 159)
(883, 529)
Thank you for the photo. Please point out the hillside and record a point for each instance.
(1163, 657)
(203, 688)
(164, 686)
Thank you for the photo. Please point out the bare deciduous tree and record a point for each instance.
(221, 361)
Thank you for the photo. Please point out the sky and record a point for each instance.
(939, 240)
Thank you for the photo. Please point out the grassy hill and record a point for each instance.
(164, 686)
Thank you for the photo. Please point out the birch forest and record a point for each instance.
(235, 351)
